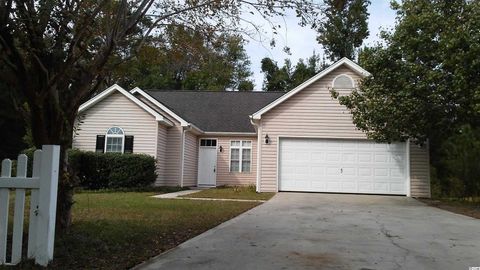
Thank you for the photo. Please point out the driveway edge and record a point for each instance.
(211, 231)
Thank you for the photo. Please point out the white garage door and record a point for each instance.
(347, 166)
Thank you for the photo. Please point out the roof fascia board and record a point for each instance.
(220, 133)
(85, 106)
(258, 115)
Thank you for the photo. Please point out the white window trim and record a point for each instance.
(114, 136)
(240, 156)
(346, 75)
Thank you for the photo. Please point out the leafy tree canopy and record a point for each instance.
(286, 78)
(183, 59)
(343, 28)
(426, 74)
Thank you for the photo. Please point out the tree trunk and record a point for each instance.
(53, 128)
(66, 185)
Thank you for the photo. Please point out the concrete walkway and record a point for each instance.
(175, 195)
(329, 231)
(178, 194)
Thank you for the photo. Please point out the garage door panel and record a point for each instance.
(349, 157)
(342, 166)
(318, 172)
(365, 172)
(318, 157)
(333, 171)
(333, 157)
(381, 187)
(349, 188)
(365, 157)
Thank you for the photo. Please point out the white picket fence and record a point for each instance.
(43, 202)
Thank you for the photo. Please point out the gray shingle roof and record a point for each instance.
(216, 111)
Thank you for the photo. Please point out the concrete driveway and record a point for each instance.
(331, 231)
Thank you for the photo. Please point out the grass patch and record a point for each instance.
(157, 190)
(120, 230)
(243, 193)
(469, 207)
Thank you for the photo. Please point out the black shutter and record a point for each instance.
(128, 147)
(100, 145)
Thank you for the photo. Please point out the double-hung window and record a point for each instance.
(240, 156)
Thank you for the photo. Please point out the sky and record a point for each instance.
(302, 40)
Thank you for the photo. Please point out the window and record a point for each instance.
(114, 140)
(343, 81)
(240, 156)
(208, 142)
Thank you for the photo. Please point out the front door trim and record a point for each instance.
(214, 175)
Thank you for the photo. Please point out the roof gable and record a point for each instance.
(344, 61)
(116, 88)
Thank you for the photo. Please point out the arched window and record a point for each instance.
(343, 81)
(114, 140)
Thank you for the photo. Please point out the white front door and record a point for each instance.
(347, 166)
(207, 162)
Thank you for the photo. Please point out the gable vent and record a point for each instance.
(343, 82)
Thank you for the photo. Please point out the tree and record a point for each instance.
(60, 52)
(11, 124)
(276, 79)
(344, 27)
(182, 59)
(287, 77)
(426, 78)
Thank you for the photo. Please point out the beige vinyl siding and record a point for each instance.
(224, 176)
(172, 155)
(190, 160)
(117, 111)
(161, 156)
(312, 113)
(419, 171)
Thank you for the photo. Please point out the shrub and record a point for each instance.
(113, 170)
(106, 170)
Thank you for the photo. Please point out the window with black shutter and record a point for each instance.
(100, 144)
(128, 148)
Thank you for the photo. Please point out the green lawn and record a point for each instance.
(118, 230)
(244, 193)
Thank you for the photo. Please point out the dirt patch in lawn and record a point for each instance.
(460, 207)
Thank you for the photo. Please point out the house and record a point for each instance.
(302, 140)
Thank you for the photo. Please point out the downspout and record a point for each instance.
(258, 128)
(409, 179)
(182, 159)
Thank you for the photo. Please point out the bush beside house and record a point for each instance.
(109, 170)
(113, 170)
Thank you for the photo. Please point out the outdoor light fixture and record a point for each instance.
(220, 149)
(267, 139)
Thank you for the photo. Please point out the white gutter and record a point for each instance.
(258, 128)
(407, 150)
(182, 159)
(221, 133)
(185, 129)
